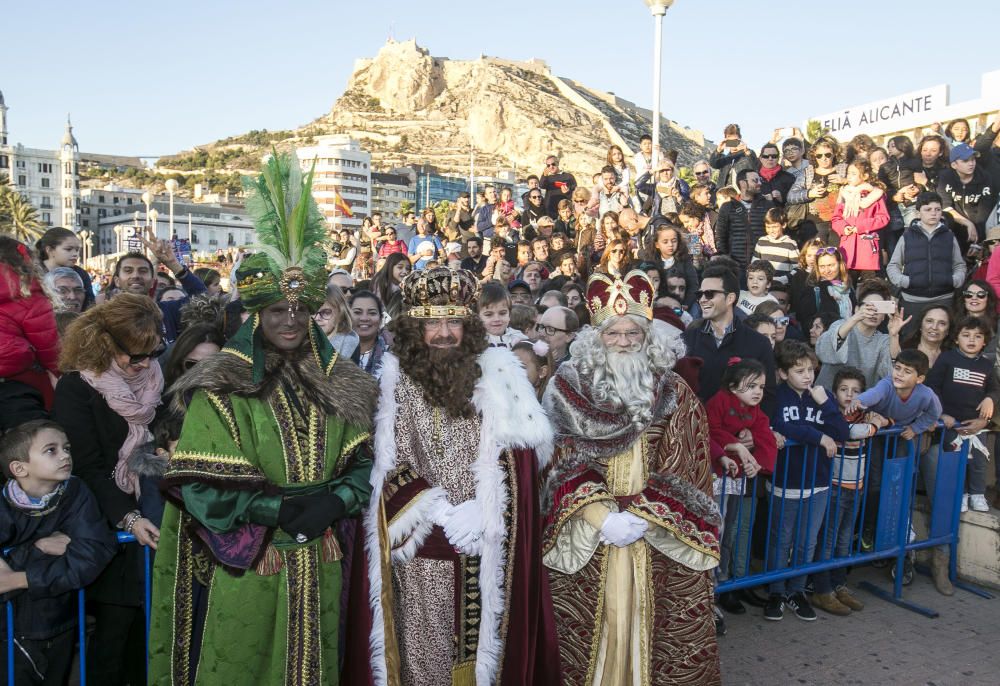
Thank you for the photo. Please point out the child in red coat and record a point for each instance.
(860, 214)
(734, 415)
(29, 343)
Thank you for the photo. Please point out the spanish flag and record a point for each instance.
(342, 205)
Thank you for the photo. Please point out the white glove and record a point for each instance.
(441, 512)
(622, 529)
(464, 528)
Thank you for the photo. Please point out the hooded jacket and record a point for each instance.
(27, 327)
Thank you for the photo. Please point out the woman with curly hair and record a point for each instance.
(978, 299)
(824, 178)
(106, 399)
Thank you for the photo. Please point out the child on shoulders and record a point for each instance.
(493, 309)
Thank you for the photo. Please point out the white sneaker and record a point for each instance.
(965, 503)
(978, 503)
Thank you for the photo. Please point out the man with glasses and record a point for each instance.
(626, 554)
(558, 185)
(68, 285)
(717, 336)
(558, 326)
(533, 211)
(702, 171)
(741, 221)
(532, 182)
(454, 490)
(775, 182)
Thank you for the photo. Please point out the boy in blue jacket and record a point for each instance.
(800, 487)
(56, 541)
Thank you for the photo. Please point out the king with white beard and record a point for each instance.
(630, 535)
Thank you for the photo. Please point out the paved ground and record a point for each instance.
(883, 644)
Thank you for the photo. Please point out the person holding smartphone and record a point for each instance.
(732, 156)
(857, 341)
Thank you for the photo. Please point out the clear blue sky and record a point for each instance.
(155, 78)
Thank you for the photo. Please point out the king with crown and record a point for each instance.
(274, 454)
(631, 533)
(457, 591)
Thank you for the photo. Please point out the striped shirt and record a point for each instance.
(782, 253)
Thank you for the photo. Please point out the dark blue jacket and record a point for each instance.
(48, 606)
(800, 419)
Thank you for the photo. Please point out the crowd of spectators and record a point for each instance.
(819, 286)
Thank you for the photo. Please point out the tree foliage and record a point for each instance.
(18, 217)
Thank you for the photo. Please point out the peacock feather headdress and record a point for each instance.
(291, 230)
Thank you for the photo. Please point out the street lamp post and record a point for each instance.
(171, 185)
(658, 8)
(147, 198)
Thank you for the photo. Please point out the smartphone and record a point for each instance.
(884, 306)
(733, 144)
(786, 132)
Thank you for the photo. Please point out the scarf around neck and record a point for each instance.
(135, 400)
(35, 506)
(769, 174)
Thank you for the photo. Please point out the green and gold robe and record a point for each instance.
(257, 428)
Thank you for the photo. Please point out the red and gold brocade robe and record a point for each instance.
(641, 614)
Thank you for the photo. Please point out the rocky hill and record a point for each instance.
(409, 107)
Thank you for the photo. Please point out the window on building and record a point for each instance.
(68, 203)
(128, 201)
(115, 200)
(101, 212)
(117, 212)
(46, 218)
(4, 162)
(21, 164)
(46, 183)
(68, 168)
(100, 198)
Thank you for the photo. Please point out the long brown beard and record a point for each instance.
(447, 376)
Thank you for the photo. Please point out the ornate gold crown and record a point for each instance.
(440, 292)
(610, 297)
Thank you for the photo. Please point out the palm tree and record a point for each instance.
(19, 218)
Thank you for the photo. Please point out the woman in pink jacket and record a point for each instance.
(861, 212)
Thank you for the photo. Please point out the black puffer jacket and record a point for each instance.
(737, 230)
(48, 607)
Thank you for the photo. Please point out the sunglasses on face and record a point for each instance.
(708, 294)
(141, 357)
(702, 173)
(978, 295)
(824, 155)
(551, 164)
(769, 157)
(781, 321)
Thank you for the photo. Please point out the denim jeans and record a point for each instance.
(836, 537)
(735, 535)
(803, 517)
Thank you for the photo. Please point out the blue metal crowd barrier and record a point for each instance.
(880, 517)
(82, 618)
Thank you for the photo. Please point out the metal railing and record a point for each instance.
(878, 500)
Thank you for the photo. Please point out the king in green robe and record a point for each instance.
(236, 598)
(274, 455)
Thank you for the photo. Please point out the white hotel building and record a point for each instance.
(50, 179)
(341, 167)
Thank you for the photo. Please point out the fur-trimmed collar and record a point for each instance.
(345, 391)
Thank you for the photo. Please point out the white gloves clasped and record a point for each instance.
(622, 529)
(463, 526)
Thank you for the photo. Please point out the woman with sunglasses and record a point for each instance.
(105, 400)
(775, 182)
(826, 288)
(977, 299)
(824, 178)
